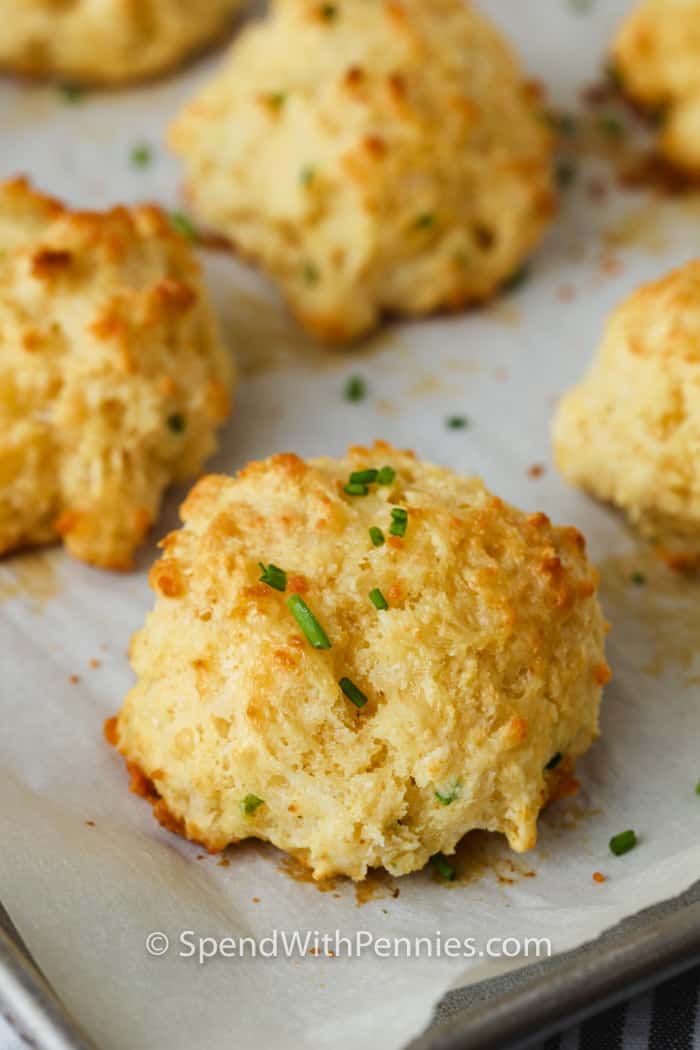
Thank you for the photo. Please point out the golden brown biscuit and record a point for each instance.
(113, 377)
(630, 432)
(657, 56)
(107, 42)
(444, 711)
(373, 157)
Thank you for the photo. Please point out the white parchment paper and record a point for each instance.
(86, 895)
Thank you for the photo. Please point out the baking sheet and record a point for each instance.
(86, 895)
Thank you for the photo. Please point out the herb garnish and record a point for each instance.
(355, 389)
(250, 803)
(399, 521)
(443, 867)
(180, 222)
(273, 576)
(623, 842)
(376, 535)
(312, 629)
(352, 692)
(377, 599)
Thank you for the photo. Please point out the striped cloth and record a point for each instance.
(663, 1019)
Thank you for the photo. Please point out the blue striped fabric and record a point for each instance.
(666, 1018)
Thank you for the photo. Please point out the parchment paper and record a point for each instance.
(85, 895)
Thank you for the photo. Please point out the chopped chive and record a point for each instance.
(443, 867)
(352, 692)
(399, 521)
(312, 629)
(566, 173)
(250, 803)
(353, 488)
(328, 12)
(140, 156)
(176, 422)
(446, 798)
(623, 843)
(611, 126)
(363, 477)
(71, 93)
(425, 221)
(554, 761)
(355, 389)
(377, 599)
(307, 175)
(180, 222)
(385, 476)
(311, 273)
(517, 279)
(277, 99)
(376, 535)
(697, 788)
(457, 422)
(639, 578)
(273, 576)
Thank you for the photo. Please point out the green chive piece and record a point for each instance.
(311, 273)
(517, 279)
(176, 422)
(355, 389)
(376, 535)
(554, 761)
(611, 126)
(443, 867)
(354, 488)
(277, 99)
(385, 476)
(312, 629)
(71, 93)
(328, 12)
(399, 521)
(377, 599)
(352, 692)
(250, 803)
(273, 576)
(425, 221)
(697, 788)
(623, 843)
(363, 477)
(180, 222)
(566, 173)
(307, 176)
(639, 578)
(446, 798)
(457, 422)
(140, 156)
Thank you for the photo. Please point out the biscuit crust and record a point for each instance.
(657, 55)
(109, 42)
(373, 157)
(488, 662)
(629, 433)
(113, 377)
